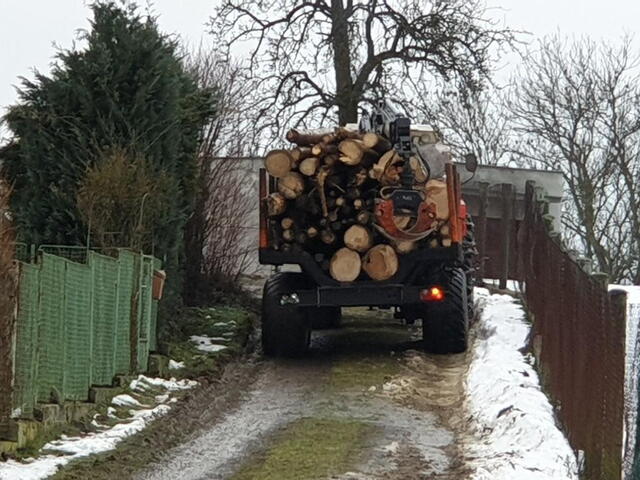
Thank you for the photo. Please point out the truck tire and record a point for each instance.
(470, 254)
(445, 325)
(286, 329)
(323, 318)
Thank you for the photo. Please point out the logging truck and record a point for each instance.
(373, 216)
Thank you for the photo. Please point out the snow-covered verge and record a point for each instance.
(513, 429)
(147, 399)
(632, 372)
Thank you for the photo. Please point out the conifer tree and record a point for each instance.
(124, 88)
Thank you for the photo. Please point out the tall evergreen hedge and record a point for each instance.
(124, 87)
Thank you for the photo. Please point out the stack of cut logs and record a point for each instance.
(324, 204)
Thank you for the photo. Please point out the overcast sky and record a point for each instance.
(30, 28)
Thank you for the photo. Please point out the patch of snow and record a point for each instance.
(632, 372)
(111, 412)
(391, 448)
(229, 323)
(204, 344)
(144, 383)
(513, 425)
(16, 413)
(173, 365)
(72, 448)
(162, 398)
(124, 400)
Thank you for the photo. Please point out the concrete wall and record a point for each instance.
(552, 182)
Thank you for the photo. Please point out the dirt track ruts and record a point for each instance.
(367, 381)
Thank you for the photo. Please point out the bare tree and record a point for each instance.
(315, 58)
(577, 106)
(471, 121)
(216, 237)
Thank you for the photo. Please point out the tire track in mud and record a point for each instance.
(368, 373)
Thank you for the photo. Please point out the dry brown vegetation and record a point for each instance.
(219, 238)
(121, 200)
(8, 290)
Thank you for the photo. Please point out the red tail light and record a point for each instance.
(432, 294)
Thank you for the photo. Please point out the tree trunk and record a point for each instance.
(347, 105)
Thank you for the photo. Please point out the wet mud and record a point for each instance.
(365, 404)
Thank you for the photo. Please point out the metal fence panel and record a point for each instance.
(77, 321)
(144, 322)
(26, 335)
(153, 330)
(104, 271)
(51, 331)
(579, 336)
(126, 262)
(80, 324)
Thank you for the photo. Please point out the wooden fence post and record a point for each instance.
(481, 230)
(507, 220)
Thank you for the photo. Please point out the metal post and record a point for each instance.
(507, 222)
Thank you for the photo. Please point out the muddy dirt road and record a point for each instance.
(365, 404)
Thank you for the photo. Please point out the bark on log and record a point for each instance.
(322, 149)
(331, 160)
(291, 185)
(380, 262)
(278, 163)
(304, 139)
(358, 238)
(328, 237)
(360, 177)
(345, 265)
(300, 153)
(309, 166)
(343, 133)
(276, 204)
(321, 179)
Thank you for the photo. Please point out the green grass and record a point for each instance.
(349, 373)
(234, 323)
(309, 448)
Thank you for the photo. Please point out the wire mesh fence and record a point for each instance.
(579, 342)
(74, 323)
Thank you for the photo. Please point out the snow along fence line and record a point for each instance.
(513, 431)
(578, 338)
(631, 453)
